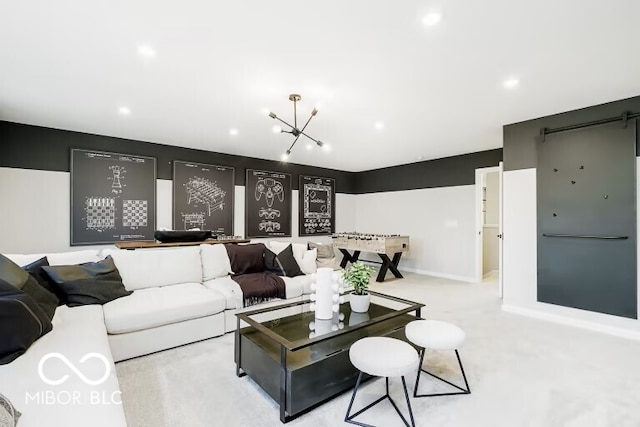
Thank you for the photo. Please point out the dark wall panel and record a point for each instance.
(34, 147)
(444, 172)
(519, 139)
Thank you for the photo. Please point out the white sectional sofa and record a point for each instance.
(181, 295)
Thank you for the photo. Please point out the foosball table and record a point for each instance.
(385, 245)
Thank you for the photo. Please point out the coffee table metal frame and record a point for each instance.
(286, 345)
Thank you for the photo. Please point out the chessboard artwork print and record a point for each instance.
(113, 197)
(267, 204)
(134, 213)
(203, 197)
(317, 206)
(100, 213)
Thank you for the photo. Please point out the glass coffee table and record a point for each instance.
(301, 361)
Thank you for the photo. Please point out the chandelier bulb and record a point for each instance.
(309, 146)
(276, 129)
(285, 156)
(320, 143)
(272, 115)
(314, 112)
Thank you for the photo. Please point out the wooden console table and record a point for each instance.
(383, 245)
(142, 244)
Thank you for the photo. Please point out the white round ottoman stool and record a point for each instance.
(436, 335)
(382, 357)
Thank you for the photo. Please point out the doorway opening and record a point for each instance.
(489, 225)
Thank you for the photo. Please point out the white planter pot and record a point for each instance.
(359, 303)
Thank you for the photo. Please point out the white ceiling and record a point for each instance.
(438, 90)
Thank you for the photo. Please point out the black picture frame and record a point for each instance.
(316, 206)
(113, 197)
(203, 197)
(267, 204)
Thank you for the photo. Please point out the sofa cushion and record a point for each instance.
(246, 259)
(73, 257)
(229, 288)
(88, 283)
(153, 307)
(76, 332)
(149, 268)
(215, 261)
(296, 285)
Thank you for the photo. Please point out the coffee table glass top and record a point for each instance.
(294, 325)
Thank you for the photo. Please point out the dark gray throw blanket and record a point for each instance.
(260, 287)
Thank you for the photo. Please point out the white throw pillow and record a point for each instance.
(22, 259)
(307, 262)
(215, 261)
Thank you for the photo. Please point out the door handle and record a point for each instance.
(499, 236)
(580, 236)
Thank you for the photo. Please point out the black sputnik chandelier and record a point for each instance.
(294, 130)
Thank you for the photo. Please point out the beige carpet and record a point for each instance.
(522, 372)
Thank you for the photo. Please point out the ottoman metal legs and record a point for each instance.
(465, 390)
(349, 418)
(382, 357)
(437, 335)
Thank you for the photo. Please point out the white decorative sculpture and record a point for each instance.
(326, 294)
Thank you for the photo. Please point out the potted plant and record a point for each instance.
(358, 276)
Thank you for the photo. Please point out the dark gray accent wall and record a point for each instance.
(444, 172)
(34, 147)
(519, 139)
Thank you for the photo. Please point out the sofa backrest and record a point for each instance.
(215, 261)
(148, 268)
(58, 258)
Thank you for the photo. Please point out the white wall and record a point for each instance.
(439, 221)
(520, 262)
(35, 211)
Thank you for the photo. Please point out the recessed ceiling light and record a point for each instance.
(233, 132)
(511, 82)
(146, 51)
(379, 125)
(432, 19)
(124, 111)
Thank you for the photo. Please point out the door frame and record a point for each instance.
(479, 230)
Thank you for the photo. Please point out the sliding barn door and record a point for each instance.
(587, 219)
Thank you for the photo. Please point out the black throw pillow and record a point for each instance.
(272, 264)
(22, 322)
(88, 283)
(47, 301)
(282, 264)
(246, 258)
(11, 275)
(35, 269)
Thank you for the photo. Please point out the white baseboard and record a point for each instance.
(440, 275)
(584, 324)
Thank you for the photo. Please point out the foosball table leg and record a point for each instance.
(388, 264)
